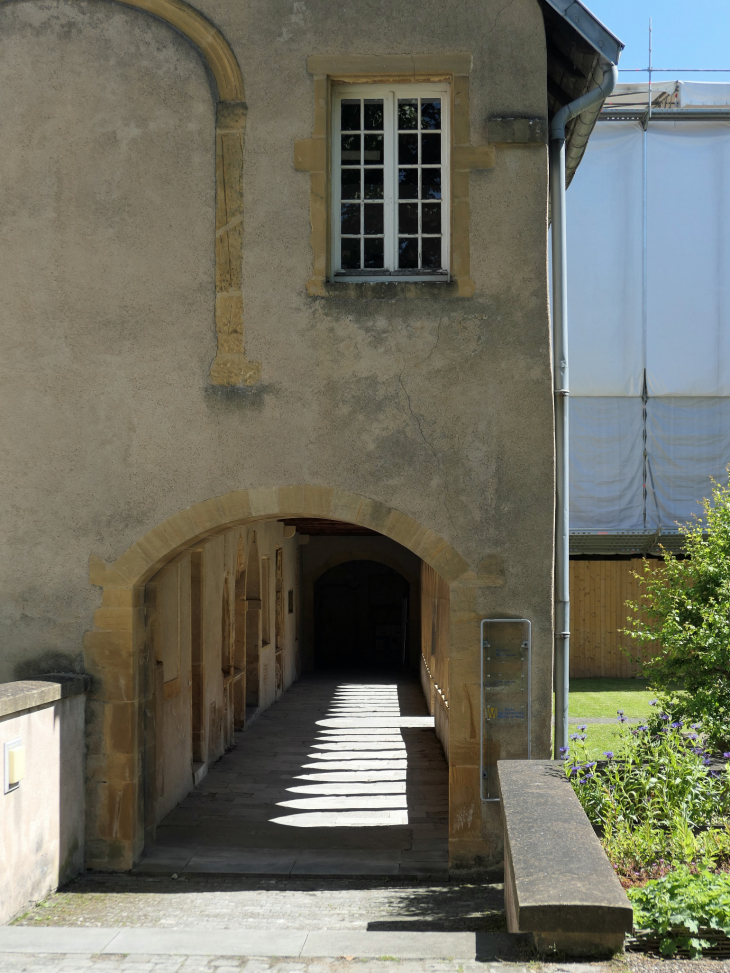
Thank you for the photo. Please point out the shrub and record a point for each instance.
(680, 906)
(686, 606)
(656, 800)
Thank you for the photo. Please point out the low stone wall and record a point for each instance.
(558, 884)
(42, 818)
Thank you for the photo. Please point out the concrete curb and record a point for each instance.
(239, 942)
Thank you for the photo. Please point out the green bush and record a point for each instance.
(655, 801)
(686, 607)
(680, 906)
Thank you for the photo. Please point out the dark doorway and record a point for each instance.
(361, 617)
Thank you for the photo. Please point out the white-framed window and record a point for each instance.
(390, 182)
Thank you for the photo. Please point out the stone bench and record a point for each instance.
(558, 884)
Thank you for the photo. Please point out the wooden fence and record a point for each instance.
(598, 594)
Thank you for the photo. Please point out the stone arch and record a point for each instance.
(230, 365)
(114, 649)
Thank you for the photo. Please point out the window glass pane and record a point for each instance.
(350, 218)
(350, 183)
(408, 218)
(374, 218)
(373, 149)
(431, 251)
(373, 184)
(408, 149)
(350, 115)
(431, 218)
(431, 113)
(407, 113)
(408, 183)
(430, 184)
(408, 253)
(350, 250)
(374, 252)
(350, 149)
(430, 149)
(373, 115)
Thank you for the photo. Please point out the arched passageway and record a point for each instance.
(324, 766)
(170, 652)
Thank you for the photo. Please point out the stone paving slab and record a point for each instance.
(238, 942)
(324, 776)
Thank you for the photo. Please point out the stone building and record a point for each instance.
(275, 271)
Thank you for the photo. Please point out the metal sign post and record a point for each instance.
(506, 711)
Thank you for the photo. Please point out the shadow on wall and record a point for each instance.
(361, 613)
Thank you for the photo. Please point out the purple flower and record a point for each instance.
(620, 712)
(608, 753)
(696, 726)
(640, 728)
(691, 736)
(582, 728)
(653, 702)
(664, 716)
(573, 736)
(726, 756)
(677, 725)
(707, 762)
(622, 719)
(585, 778)
(563, 750)
(582, 736)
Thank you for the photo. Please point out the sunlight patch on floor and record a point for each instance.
(361, 761)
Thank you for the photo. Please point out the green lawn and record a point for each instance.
(603, 697)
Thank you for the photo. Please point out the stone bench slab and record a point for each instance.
(559, 884)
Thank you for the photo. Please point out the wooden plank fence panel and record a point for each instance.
(599, 591)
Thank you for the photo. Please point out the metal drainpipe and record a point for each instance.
(561, 391)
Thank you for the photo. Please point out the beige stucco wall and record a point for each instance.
(439, 408)
(42, 820)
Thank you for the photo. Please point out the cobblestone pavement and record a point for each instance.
(339, 777)
(248, 903)
(110, 963)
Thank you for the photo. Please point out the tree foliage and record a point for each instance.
(686, 607)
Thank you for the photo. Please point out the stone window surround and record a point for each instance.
(313, 155)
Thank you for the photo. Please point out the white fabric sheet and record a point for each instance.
(606, 463)
(688, 441)
(703, 94)
(604, 226)
(688, 240)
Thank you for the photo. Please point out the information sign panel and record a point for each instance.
(505, 706)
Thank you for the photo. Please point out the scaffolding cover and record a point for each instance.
(662, 314)
(687, 443)
(606, 462)
(683, 336)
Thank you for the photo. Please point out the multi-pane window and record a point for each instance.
(390, 182)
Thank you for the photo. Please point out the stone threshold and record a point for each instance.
(264, 942)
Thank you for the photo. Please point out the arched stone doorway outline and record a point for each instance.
(230, 365)
(114, 651)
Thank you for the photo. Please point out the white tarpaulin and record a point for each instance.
(604, 206)
(672, 324)
(703, 94)
(687, 441)
(688, 246)
(686, 335)
(606, 463)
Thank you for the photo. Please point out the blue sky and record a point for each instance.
(694, 34)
